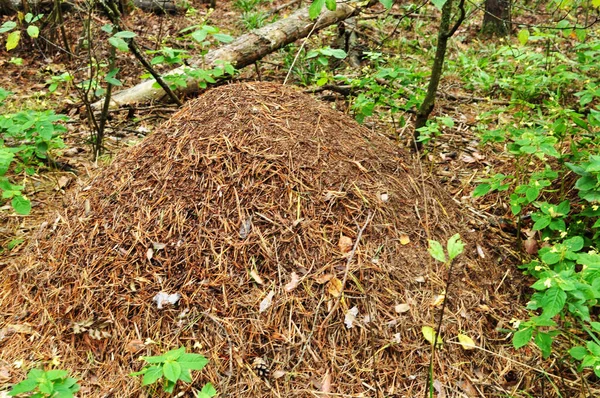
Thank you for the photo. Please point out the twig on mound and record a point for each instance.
(347, 271)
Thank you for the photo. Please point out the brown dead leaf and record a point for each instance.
(334, 287)
(531, 246)
(345, 244)
(4, 375)
(326, 384)
(322, 279)
(63, 181)
(293, 283)
(134, 346)
(278, 374)
(401, 308)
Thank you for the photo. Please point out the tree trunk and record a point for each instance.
(243, 51)
(496, 20)
(444, 34)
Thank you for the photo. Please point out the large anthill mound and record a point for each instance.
(256, 204)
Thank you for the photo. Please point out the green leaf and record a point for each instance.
(522, 337)
(223, 38)
(544, 343)
(578, 352)
(12, 40)
(439, 3)
(21, 204)
(574, 244)
(192, 361)
(387, 3)
(125, 34)
(315, 8)
(593, 348)
(436, 251)
(541, 223)
(172, 370)
(152, 374)
(33, 31)
(455, 246)
(523, 36)
(331, 5)
(26, 385)
(553, 301)
(56, 374)
(118, 43)
(532, 193)
(8, 26)
(481, 190)
(174, 355)
(208, 391)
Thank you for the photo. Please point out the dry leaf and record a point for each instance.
(149, 254)
(350, 317)
(278, 374)
(254, 275)
(480, 251)
(420, 279)
(267, 301)
(323, 278)
(326, 384)
(158, 246)
(531, 246)
(396, 339)
(438, 300)
(345, 244)
(4, 375)
(334, 287)
(63, 181)
(401, 308)
(466, 342)
(293, 283)
(404, 239)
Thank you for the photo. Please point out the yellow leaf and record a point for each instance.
(438, 300)
(334, 287)
(429, 335)
(466, 342)
(404, 239)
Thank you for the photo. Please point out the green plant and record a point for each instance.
(454, 248)
(173, 366)
(54, 383)
(26, 138)
(13, 38)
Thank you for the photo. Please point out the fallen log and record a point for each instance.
(243, 51)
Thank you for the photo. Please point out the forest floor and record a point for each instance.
(308, 354)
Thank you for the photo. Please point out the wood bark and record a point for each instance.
(496, 20)
(9, 7)
(243, 51)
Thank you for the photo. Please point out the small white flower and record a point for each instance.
(548, 283)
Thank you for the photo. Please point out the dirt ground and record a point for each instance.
(275, 218)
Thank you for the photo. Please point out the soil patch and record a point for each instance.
(253, 191)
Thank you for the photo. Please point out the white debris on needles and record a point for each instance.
(161, 299)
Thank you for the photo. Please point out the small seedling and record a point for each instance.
(41, 384)
(173, 366)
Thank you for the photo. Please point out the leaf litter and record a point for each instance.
(309, 175)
